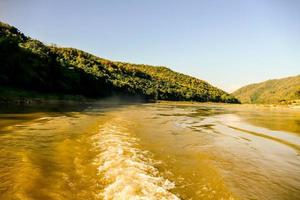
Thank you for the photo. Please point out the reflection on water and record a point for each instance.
(276, 120)
(149, 151)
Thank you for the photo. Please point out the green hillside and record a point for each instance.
(285, 90)
(30, 65)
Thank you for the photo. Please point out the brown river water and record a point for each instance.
(149, 151)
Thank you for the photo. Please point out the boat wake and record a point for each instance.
(126, 171)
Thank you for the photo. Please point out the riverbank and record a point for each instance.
(24, 97)
(18, 96)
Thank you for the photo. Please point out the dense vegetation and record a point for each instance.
(285, 90)
(28, 64)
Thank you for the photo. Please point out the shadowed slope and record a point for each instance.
(28, 64)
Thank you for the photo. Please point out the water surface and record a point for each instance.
(149, 151)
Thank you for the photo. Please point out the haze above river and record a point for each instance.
(149, 151)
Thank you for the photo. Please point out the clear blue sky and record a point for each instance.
(228, 43)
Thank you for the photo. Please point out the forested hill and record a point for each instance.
(28, 64)
(285, 90)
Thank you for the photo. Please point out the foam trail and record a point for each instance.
(128, 172)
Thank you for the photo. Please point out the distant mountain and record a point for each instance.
(28, 64)
(285, 90)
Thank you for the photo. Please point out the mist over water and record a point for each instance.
(149, 151)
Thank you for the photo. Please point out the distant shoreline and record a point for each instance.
(295, 107)
(23, 97)
(81, 100)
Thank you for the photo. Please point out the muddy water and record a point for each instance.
(149, 151)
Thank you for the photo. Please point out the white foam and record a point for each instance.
(127, 171)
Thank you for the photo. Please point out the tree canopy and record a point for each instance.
(285, 90)
(29, 64)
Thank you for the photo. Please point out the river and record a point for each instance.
(149, 151)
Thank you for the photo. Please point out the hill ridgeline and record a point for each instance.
(29, 65)
(285, 90)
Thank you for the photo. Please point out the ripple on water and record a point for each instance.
(127, 171)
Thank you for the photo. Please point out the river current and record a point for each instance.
(149, 151)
